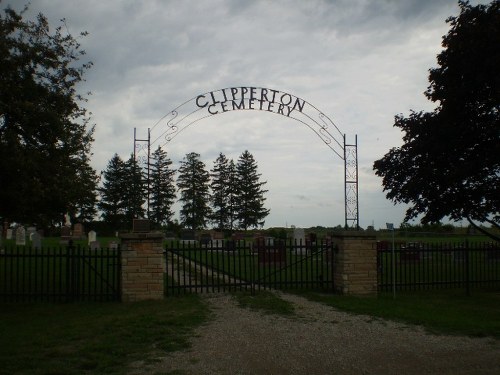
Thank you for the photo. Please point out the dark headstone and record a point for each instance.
(78, 231)
(188, 235)
(141, 226)
(20, 236)
(95, 245)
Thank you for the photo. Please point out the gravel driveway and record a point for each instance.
(321, 340)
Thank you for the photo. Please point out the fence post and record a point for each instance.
(466, 262)
(355, 264)
(143, 266)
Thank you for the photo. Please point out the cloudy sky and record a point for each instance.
(360, 62)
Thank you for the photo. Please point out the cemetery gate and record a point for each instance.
(218, 265)
(261, 99)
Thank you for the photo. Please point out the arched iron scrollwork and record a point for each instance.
(267, 100)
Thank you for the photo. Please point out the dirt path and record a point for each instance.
(321, 340)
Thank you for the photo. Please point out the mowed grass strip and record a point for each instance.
(103, 338)
(441, 312)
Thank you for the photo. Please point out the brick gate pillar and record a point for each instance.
(143, 266)
(355, 263)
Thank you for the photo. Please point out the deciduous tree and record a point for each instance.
(45, 137)
(449, 164)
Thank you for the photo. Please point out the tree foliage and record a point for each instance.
(45, 139)
(133, 189)
(193, 184)
(219, 198)
(250, 194)
(112, 202)
(449, 164)
(162, 189)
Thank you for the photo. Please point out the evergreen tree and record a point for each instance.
(134, 191)
(112, 203)
(193, 184)
(232, 195)
(250, 195)
(84, 209)
(162, 189)
(45, 139)
(220, 189)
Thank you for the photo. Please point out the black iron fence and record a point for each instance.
(216, 266)
(62, 274)
(417, 266)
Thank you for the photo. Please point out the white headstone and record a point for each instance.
(9, 234)
(299, 236)
(92, 236)
(36, 240)
(20, 236)
(299, 240)
(30, 231)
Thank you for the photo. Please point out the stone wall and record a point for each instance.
(355, 263)
(142, 266)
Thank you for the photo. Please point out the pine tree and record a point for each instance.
(134, 191)
(232, 194)
(162, 189)
(84, 209)
(250, 195)
(112, 203)
(220, 188)
(193, 184)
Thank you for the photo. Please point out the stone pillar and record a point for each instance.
(143, 266)
(355, 263)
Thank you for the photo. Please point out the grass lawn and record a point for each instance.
(442, 312)
(93, 338)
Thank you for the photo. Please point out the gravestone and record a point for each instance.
(269, 250)
(65, 235)
(218, 235)
(95, 245)
(299, 240)
(8, 236)
(78, 231)
(20, 236)
(36, 241)
(205, 238)
(92, 236)
(30, 231)
(217, 238)
(170, 236)
(113, 245)
(188, 235)
(141, 226)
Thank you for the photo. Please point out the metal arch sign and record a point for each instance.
(248, 98)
